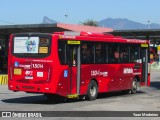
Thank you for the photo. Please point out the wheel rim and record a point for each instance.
(134, 85)
(93, 91)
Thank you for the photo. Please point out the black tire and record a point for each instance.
(92, 91)
(134, 86)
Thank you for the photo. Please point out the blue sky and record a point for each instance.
(33, 11)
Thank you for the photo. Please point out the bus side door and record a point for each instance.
(74, 68)
(144, 56)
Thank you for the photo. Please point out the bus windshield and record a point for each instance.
(33, 46)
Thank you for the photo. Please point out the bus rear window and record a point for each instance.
(33, 46)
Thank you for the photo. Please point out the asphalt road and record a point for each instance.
(146, 99)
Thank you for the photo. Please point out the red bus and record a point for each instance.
(73, 64)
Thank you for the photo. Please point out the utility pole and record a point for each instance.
(148, 24)
(66, 16)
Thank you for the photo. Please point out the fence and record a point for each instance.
(3, 79)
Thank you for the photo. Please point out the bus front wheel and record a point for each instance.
(92, 91)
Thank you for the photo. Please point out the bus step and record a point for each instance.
(73, 96)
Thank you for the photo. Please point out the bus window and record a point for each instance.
(31, 46)
(113, 53)
(124, 54)
(87, 53)
(135, 53)
(62, 51)
(100, 56)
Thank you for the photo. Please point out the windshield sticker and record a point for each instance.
(26, 44)
(43, 49)
(17, 71)
(16, 64)
(65, 73)
(39, 74)
(29, 73)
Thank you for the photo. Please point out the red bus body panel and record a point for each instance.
(46, 75)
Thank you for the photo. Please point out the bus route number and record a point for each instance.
(37, 65)
(94, 72)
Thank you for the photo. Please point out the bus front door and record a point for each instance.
(74, 70)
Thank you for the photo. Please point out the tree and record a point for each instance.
(90, 22)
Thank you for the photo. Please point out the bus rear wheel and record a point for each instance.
(134, 86)
(92, 91)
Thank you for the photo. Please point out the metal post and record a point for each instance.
(78, 69)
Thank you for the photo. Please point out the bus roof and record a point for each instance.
(103, 37)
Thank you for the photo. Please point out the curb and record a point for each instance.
(3, 79)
